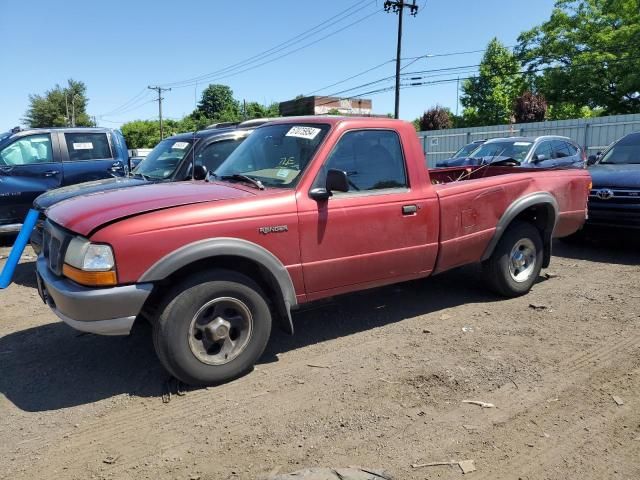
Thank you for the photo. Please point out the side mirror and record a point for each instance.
(540, 158)
(336, 182)
(592, 159)
(199, 172)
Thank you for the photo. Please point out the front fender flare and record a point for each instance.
(224, 246)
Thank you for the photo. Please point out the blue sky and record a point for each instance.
(118, 48)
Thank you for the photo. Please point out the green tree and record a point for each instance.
(257, 110)
(141, 133)
(59, 107)
(584, 55)
(488, 98)
(217, 103)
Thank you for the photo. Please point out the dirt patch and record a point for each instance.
(392, 368)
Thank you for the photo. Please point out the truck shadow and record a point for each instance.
(52, 366)
(617, 247)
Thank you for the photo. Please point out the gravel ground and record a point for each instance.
(377, 379)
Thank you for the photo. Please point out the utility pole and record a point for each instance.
(398, 7)
(73, 110)
(457, 94)
(66, 105)
(160, 90)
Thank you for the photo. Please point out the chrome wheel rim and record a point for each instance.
(220, 330)
(522, 261)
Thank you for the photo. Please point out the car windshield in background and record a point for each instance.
(275, 155)
(466, 150)
(627, 150)
(516, 150)
(163, 160)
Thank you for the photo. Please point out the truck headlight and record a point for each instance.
(91, 264)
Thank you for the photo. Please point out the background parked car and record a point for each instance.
(136, 155)
(36, 160)
(171, 160)
(531, 152)
(615, 198)
(461, 156)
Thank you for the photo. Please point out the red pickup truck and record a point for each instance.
(305, 208)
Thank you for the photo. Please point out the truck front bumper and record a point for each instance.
(104, 311)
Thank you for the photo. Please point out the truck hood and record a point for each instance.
(57, 195)
(622, 175)
(86, 213)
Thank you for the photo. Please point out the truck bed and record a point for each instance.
(474, 199)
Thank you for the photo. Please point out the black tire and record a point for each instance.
(497, 272)
(172, 329)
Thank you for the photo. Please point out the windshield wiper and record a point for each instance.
(238, 176)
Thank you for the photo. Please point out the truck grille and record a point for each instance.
(54, 246)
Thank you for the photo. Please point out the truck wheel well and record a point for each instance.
(250, 268)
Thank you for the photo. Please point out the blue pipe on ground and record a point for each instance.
(18, 248)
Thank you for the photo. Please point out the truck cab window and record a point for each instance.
(372, 159)
(212, 156)
(28, 150)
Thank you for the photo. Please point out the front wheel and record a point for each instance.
(516, 261)
(213, 328)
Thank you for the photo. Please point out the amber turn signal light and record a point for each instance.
(90, 279)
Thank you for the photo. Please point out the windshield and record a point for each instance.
(513, 149)
(627, 150)
(276, 155)
(466, 150)
(163, 160)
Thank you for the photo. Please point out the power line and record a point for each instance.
(144, 101)
(227, 71)
(125, 104)
(349, 78)
(444, 71)
(287, 53)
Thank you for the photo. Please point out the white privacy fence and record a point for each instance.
(592, 133)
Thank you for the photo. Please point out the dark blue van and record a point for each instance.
(35, 160)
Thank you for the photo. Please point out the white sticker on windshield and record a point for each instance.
(283, 173)
(522, 144)
(180, 145)
(83, 146)
(308, 133)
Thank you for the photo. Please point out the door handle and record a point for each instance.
(409, 209)
(51, 173)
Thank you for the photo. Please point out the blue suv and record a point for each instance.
(35, 160)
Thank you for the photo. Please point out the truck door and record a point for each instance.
(88, 156)
(377, 230)
(28, 167)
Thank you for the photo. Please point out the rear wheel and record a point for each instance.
(213, 328)
(516, 261)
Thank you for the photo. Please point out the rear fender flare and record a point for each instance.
(234, 247)
(544, 199)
